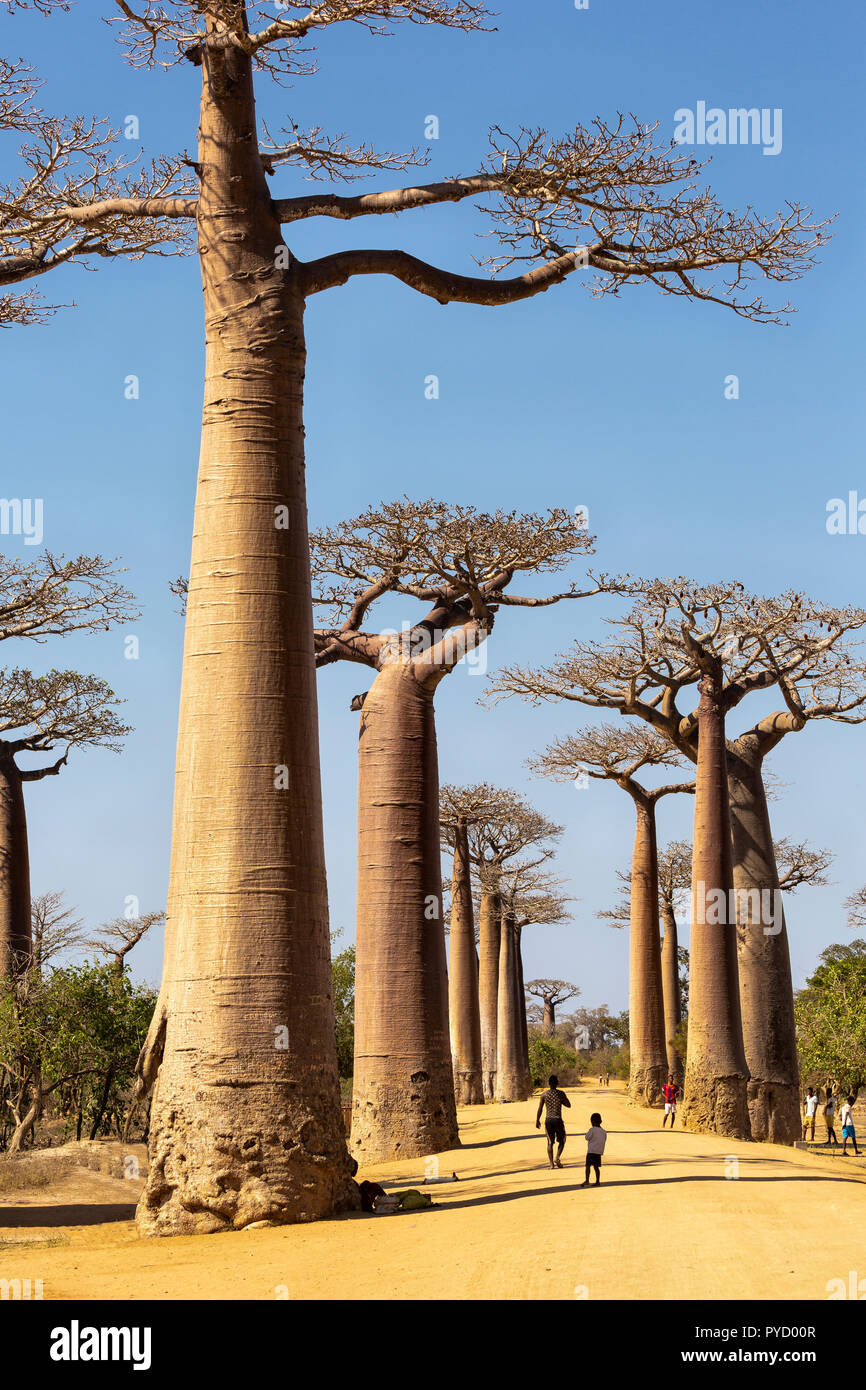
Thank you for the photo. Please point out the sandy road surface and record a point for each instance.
(670, 1220)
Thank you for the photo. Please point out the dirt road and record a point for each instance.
(677, 1216)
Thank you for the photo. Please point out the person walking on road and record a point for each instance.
(596, 1138)
(552, 1100)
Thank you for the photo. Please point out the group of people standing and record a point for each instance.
(832, 1099)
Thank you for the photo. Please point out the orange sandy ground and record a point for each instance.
(669, 1221)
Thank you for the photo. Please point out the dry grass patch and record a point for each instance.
(21, 1171)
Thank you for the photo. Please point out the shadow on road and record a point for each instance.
(77, 1214)
(629, 1182)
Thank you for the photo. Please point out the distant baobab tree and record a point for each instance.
(460, 808)
(611, 201)
(679, 634)
(797, 864)
(529, 896)
(552, 993)
(117, 938)
(617, 753)
(36, 714)
(508, 828)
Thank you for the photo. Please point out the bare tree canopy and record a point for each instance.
(38, 712)
(612, 198)
(457, 560)
(117, 938)
(51, 597)
(810, 650)
(504, 824)
(797, 863)
(56, 929)
(553, 991)
(612, 752)
(531, 896)
(856, 907)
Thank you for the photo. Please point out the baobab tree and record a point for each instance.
(117, 938)
(812, 652)
(47, 597)
(459, 808)
(529, 896)
(618, 753)
(797, 864)
(675, 873)
(253, 906)
(460, 564)
(509, 828)
(552, 993)
(674, 879)
(36, 714)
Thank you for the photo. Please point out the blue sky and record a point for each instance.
(559, 401)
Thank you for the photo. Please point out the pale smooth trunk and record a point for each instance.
(465, 1021)
(16, 944)
(715, 1098)
(646, 1008)
(671, 992)
(490, 931)
(548, 1022)
(403, 1101)
(246, 1123)
(510, 1070)
(766, 992)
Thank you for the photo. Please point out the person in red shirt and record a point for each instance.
(670, 1091)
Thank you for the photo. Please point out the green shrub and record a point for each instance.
(546, 1056)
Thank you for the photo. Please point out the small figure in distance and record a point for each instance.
(847, 1120)
(670, 1091)
(810, 1110)
(830, 1115)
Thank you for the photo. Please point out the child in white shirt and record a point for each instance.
(596, 1138)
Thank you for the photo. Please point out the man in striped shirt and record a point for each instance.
(552, 1101)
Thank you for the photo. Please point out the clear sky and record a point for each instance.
(563, 400)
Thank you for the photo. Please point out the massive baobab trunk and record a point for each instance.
(463, 1012)
(246, 1122)
(766, 992)
(490, 931)
(671, 992)
(646, 1009)
(716, 1074)
(15, 927)
(403, 1103)
(510, 1068)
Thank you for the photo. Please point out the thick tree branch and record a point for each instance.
(441, 285)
